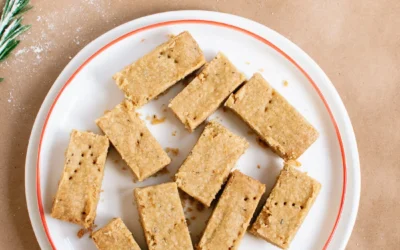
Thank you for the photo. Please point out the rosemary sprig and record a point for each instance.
(11, 27)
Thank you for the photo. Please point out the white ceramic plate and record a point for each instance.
(84, 90)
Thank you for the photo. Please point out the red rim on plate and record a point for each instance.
(261, 39)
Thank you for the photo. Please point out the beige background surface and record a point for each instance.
(356, 42)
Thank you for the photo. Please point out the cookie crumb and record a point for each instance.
(173, 151)
(258, 166)
(261, 143)
(248, 63)
(154, 120)
(285, 83)
(142, 40)
(174, 133)
(81, 233)
(261, 70)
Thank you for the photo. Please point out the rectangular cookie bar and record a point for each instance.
(160, 69)
(231, 217)
(162, 217)
(209, 163)
(114, 236)
(286, 207)
(277, 122)
(79, 188)
(136, 145)
(206, 92)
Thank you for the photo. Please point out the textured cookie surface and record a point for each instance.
(160, 69)
(286, 207)
(277, 122)
(206, 92)
(114, 236)
(162, 217)
(233, 213)
(134, 142)
(79, 188)
(210, 162)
